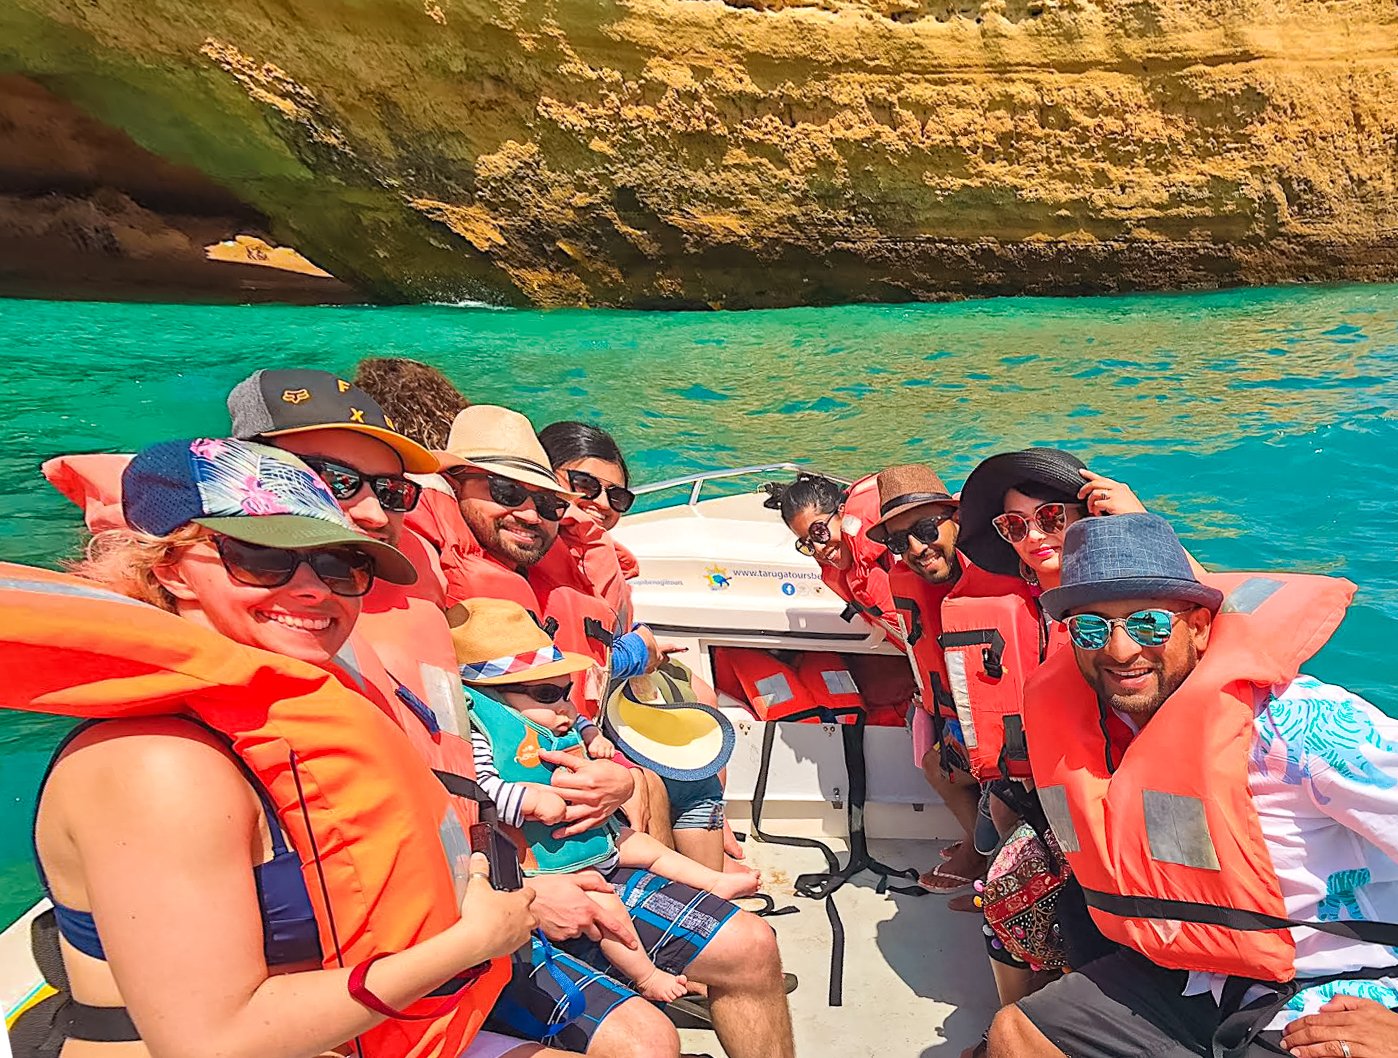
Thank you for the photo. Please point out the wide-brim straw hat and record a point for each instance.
(497, 440)
(657, 722)
(902, 488)
(983, 500)
(498, 641)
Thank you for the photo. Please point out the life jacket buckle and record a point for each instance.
(991, 664)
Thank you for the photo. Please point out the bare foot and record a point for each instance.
(733, 884)
(661, 987)
(964, 902)
(731, 846)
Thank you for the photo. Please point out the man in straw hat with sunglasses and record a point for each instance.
(510, 505)
(1231, 821)
(918, 524)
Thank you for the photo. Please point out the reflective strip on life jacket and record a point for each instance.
(1163, 834)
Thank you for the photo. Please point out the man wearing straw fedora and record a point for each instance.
(511, 504)
(1230, 820)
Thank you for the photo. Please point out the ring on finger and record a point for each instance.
(1344, 1049)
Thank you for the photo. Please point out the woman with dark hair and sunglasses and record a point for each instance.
(185, 911)
(831, 522)
(588, 461)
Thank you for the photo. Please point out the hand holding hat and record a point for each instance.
(659, 724)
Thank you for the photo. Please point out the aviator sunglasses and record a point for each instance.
(346, 571)
(1049, 517)
(619, 498)
(925, 529)
(817, 534)
(543, 693)
(394, 493)
(1148, 628)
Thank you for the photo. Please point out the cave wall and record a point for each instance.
(686, 153)
(86, 212)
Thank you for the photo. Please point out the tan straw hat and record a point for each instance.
(904, 487)
(498, 641)
(499, 441)
(658, 723)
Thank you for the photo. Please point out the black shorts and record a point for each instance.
(1123, 1006)
(674, 922)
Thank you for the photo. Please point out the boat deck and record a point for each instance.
(916, 981)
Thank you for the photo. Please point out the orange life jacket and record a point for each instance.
(1163, 834)
(555, 591)
(383, 853)
(980, 605)
(775, 690)
(992, 644)
(401, 657)
(865, 584)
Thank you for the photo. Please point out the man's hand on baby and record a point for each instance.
(543, 805)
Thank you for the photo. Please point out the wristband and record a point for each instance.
(359, 991)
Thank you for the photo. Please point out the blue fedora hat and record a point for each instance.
(1125, 556)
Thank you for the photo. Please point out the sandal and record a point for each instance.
(943, 883)
(951, 850)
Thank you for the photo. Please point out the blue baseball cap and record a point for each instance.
(250, 492)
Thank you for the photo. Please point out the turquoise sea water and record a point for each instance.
(1264, 422)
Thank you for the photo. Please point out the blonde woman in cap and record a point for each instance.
(518, 683)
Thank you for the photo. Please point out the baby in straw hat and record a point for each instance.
(517, 684)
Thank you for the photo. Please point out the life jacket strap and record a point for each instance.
(914, 617)
(992, 657)
(1150, 907)
(598, 632)
(1241, 1025)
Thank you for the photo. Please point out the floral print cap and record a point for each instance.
(251, 492)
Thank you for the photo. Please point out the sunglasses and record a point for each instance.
(1049, 517)
(925, 529)
(1148, 628)
(817, 534)
(619, 499)
(346, 571)
(543, 693)
(394, 493)
(508, 492)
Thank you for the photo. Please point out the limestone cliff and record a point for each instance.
(763, 152)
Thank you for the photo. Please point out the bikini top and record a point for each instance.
(289, 931)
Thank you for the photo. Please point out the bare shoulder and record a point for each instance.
(146, 761)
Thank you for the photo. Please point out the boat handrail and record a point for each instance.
(696, 482)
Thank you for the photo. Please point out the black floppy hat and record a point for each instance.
(983, 499)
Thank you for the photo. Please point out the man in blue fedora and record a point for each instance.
(1233, 823)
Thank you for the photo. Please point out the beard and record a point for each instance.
(944, 572)
(512, 552)
(1170, 675)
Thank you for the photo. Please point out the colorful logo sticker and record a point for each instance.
(717, 578)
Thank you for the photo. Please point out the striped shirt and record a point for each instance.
(508, 796)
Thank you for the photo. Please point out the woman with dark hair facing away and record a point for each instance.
(419, 399)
